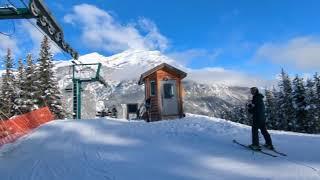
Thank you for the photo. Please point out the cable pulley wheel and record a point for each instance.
(51, 29)
(34, 9)
(58, 36)
(43, 21)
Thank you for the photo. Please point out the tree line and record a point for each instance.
(31, 86)
(294, 105)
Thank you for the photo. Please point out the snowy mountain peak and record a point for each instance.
(92, 58)
(92, 55)
(138, 57)
(129, 57)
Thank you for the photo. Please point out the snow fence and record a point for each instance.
(12, 129)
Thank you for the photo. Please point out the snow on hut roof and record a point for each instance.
(161, 66)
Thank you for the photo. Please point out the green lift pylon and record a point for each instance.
(77, 85)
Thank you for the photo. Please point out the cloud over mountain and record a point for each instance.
(301, 52)
(100, 30)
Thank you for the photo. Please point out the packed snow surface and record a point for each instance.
(196, 147)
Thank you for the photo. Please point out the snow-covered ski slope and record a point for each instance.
(196, 147)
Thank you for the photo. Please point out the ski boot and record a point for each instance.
(255, 147)
(268, 146)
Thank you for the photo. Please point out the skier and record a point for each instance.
(147, 105)
(256, 108)
(103, 113)
(114, 112)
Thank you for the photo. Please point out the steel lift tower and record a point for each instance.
(82, 73)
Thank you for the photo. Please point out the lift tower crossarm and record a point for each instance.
(10, 12)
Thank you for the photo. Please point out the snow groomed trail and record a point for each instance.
(196, 147)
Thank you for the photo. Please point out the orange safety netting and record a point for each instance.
(12, 129)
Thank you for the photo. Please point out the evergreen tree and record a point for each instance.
(270, 104)
(311, 107)
(30, 92)
(285, 102)
(2, 107)
(237, 114)
(240, 114)
(48, 86)
(317, 101)
(226, 114)
(278, 113)
(299, 103)
(20, 88)
(8, 87)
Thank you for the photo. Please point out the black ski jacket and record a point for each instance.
(257, 110)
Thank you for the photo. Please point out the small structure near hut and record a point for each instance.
(163, 92)
(130, 111)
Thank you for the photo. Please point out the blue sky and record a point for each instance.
(252, 37)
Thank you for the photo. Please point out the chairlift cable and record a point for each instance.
(13, 28)
(5, 34)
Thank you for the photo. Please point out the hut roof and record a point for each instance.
(180, 73)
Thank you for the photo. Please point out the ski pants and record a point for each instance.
(264, 132)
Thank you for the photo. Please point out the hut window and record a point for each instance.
(132, 108)
(152, 88)
(168, 91)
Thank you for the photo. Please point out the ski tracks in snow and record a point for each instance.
(92, 160)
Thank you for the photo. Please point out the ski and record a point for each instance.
(277, 152)
(260, 151)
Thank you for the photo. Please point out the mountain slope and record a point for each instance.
(196, 147)
(122, 71)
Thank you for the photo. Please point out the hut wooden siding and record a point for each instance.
(154, 101)
(158, 74)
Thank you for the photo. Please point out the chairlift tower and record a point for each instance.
(45, 21)
(82, 73)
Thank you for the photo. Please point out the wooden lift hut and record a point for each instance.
(164, 91)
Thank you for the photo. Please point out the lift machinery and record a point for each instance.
(45, 21)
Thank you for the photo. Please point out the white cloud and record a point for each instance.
(218, 75)
(301, 52)
(187, 56)
(153, 39)
(36, 37)
(7, 42)
(27, 39)
(213, 75)
(100, 30)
